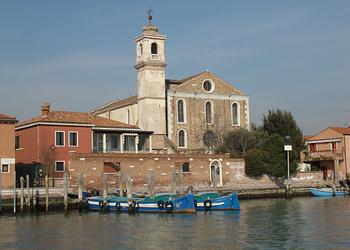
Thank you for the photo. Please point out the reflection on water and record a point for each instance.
(300, 223)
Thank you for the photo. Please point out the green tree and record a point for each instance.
(254, 163)
(283, 123)
(239, 142)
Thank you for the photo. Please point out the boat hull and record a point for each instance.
(183, 204)
(327, 192)
(229, 202)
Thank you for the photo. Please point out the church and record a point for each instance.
(190, 115)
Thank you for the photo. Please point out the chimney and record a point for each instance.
(45, 109)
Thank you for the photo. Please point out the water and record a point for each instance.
(300, 223)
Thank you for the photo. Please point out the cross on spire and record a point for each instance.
(149, 12)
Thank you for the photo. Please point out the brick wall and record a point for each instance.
(138, 166)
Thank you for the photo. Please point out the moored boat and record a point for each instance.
(215, 202)
(328, 192)
(157, 204)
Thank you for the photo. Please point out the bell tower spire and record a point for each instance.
(150, 66)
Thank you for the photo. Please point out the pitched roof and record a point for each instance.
(115, 104)
(7, 118)
(4, 116)
(173, 81)
(76, 118)
(191, 84)
(342, 130)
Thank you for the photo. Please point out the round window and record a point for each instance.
(208, 86)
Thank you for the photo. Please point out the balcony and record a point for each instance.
(323, 155)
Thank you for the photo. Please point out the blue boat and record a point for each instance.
(215, 202)
(327, 192)
(158, 204)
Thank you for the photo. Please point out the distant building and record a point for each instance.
(188, 115)
(329, 150)
(7, 150)
(51, 137)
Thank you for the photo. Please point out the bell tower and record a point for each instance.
(151, 92)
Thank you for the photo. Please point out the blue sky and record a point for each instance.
(290, 54)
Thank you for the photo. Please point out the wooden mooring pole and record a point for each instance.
(22, 193)
(65, 191)
(80, 186)
(46, 193)
(121, 179)
(181, 182)
(150, 183)
(28, 193)
(14, 192)
(105, 186)
(129, 188)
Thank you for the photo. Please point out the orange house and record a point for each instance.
(330, 151)
(50, 138)
(7, 150)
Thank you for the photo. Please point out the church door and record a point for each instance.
(215, 173)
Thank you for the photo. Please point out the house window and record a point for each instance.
(98, 142)
(17, 145)
(186, 167)
(130, 143)
(234, 113)
(141, 49)
(208, 113)
(5, 168)
(334, 146)
(59, 166)
(182, 138)
(180, 111)
(113, 142)
(154, 49)
(73, 139)
(59, 140)
(313, 147)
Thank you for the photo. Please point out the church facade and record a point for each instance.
(188, 115)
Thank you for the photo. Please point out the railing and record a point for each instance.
(323, 155)
(155, 57)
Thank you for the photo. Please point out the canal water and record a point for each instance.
(299, 223)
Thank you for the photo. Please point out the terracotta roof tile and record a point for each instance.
(4, 116)
(342, 130)
(76, 118)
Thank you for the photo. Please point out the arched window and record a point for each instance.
(180, 111)
(208, 113)
(154, 49)
(141, 49)
(182, 138)
(235, 114)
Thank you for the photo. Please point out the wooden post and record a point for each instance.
(150, 183)
(215, 180)
(28, 193)
(46, 193)
(80, 186)
(105, 186)
(121, 179)
(65, 191)
(181, 182)
(129, 188)
(22, 193)
(173, 182)
(14, 193)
